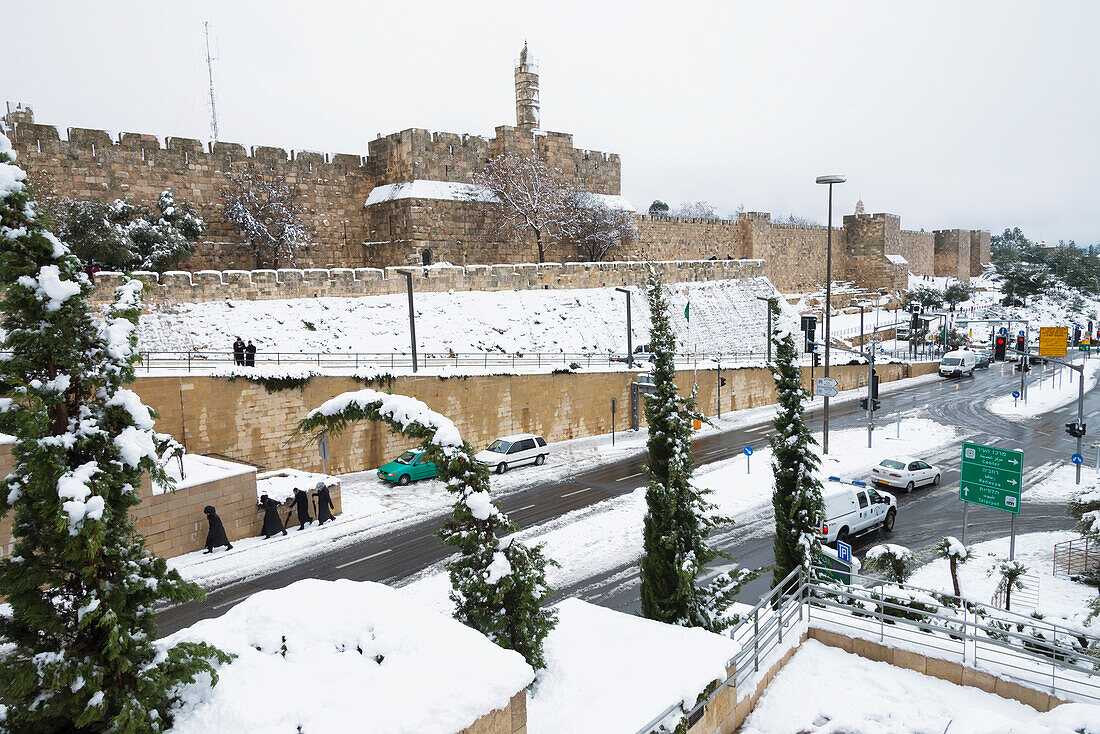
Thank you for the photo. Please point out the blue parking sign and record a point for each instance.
(843, 551)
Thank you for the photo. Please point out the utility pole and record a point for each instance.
(629, 330)
(210, 72)
(769, 300)
(412, 315)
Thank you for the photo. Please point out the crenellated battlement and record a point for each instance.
(286, 283)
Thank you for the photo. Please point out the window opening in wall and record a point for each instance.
(39, 144)
(426, 257)
(93, 148)
(143, 154)
(186, 158)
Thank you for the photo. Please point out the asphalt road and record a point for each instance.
(923, 517)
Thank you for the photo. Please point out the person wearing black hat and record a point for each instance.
(250, 354)
(238, 351)
(215, 536)
(301, 502)
(272, 524)
(324, 504)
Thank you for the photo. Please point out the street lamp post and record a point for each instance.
(412, 315)
(830, 180)
(629, 330)
(768, 300)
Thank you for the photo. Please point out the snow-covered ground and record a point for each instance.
(1060, 484)
(612, 672)
(725, 316)
(824, 690)
(1045, 392)
(1058, 596)
(345, 656)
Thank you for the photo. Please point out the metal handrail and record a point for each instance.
(1024, 640)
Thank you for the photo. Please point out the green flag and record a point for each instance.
(687, 312)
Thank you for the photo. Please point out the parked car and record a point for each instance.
(641, 355)
(851, 510)
(906, 473)
(408, 467)
(959, 363)
(509, 451)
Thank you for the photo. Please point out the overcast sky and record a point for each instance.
(951, 114)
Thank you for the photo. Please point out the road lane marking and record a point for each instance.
(227, 603)
(629, 476)
(366, 558)
(521, 509)
(570, 494)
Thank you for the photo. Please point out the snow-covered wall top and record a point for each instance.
(262, 285)
(449, 191)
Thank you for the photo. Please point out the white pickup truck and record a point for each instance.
(851, 510)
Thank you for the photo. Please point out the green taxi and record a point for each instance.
(408, 467)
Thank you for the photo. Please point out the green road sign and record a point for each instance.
(833, 568)
(992, 477)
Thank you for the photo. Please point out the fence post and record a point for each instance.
(756, 640)
(188, 360)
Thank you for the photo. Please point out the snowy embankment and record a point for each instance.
(725, 316)
(861, 696)
(1045, 393)
(338, 656)
(1060, 485)
(1057, 596)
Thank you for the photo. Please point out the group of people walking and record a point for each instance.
(244, 354)
(273, 524)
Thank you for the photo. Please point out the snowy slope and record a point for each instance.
(725, 315)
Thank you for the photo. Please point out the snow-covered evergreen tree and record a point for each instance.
(82, 587)
(796, 495)
(497, 588)
(678, 515)
(123, 236)
(895, 562)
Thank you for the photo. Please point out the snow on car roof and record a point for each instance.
(518, 436)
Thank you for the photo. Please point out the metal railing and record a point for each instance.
(1036, 652)
(1023, 598)
(1075, 556)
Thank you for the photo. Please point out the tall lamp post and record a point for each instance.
(412, 315)
(768, 300)
(830, 180)
(629, 331)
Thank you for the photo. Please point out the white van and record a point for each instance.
(851, 510)
(959, 363)
(509, 451)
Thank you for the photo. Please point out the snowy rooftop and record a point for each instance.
(450, 191)
(897, 259)
(200, 470)
(609, 671)
(279, 485)
(345, 656)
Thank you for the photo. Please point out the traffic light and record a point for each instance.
(809, 345)
(721, 382)
(1076, 335)
(1075, 429)
(1020, 344)
(817, 359)
(874, 384)
(999, 349)
(809, 327)
(875, 404)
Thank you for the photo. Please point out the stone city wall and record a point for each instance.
(212, 285)
(952, 253)
(919, 249)
(240, 419)
(686, 238)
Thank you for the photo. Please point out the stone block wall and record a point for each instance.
(979, 251)
(685, 238)
(952, 253)
(919, 249)
(258, 285)
(241, 419)
(867, 240)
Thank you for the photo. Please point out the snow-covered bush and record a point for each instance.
(499, 590)
(81, 586)
(893, 561)
(274, 379)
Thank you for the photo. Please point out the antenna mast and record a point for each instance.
(210, 72)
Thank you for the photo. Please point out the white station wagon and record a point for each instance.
(509, 451)
(905, 473)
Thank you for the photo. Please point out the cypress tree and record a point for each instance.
(82, 630)
(796, 495)
(678, 516)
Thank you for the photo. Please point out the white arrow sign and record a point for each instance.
(826, 382)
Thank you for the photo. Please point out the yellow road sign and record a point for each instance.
(1053, 341)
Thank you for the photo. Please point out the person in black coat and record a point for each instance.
(238, 351)
(250, 354)
(324, 504)
(215, 536)
(272, 524)
(301, 502)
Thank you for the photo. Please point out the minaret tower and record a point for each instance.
(527, 91)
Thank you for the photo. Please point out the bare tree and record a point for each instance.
(596, 228)
(268, 214)
(528, 196)
(696, 210)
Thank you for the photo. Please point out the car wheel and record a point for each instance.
(540, 459)
(888, 523)
(502, 467)
(842, 536)
(909, 488)
(936, 481)
(403, 480)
